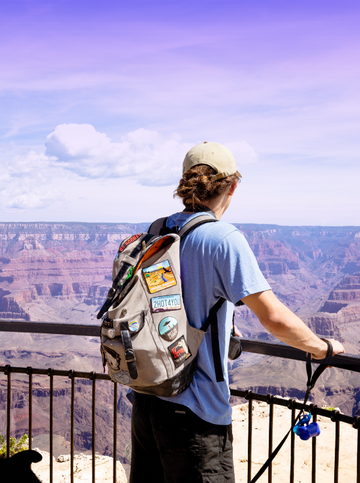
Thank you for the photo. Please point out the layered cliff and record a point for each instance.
(45, 263)
(61, 272)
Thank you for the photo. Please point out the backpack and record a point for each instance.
(147, 342)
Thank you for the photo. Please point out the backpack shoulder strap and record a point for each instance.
(194, 223)
(212, 321)
(156, 227)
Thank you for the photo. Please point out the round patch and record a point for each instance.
(111, 333)
(122, 377)
(168, 328)
(134, 326)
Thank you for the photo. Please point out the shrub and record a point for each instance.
(15, 446)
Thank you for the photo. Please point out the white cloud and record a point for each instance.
(33, 199)
(25, 182)
(33, 163)
(152, 158)
(147, 155)
(80, 154)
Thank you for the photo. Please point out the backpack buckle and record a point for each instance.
(130, 355)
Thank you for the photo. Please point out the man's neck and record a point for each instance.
(216, 205)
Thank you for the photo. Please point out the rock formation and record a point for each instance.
(61, 272)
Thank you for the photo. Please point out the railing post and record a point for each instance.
(29, 372)
(358, 456)
(51, 375)
(92, 377)
(248, 397)
(337, 445)
(115, 433)
(313, 447)
(292, 441)
(8, 374)
(356, 425)
(72, 425)
(271, 431)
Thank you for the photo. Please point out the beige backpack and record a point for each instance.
(147, 342)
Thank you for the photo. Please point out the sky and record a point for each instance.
(100, 101)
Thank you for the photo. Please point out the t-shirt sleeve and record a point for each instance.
(237, 273)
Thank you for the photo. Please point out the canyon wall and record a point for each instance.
(61, 272)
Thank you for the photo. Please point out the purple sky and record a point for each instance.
(100, 102)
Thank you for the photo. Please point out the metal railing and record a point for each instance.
(348, 362)
(73, 375)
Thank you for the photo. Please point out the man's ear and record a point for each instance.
(233, 187)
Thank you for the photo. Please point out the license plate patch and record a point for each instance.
(165, 303)
(159, 276)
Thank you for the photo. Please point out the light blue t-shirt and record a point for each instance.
(216, 261)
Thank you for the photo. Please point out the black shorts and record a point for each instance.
(170, 444)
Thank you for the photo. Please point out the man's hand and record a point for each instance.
(286, 326)
(237, 332)
(338, 348)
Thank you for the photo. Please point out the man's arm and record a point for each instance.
(286, 326)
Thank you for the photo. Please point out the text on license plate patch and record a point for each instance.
(165, 303)
(159, 276)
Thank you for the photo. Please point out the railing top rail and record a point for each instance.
(349, 362)
(54, 372)
(343, 361)
(49, 328)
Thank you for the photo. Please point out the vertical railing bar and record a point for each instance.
(51, 375)
(115, 433)
(292, 450)
(29, 371)
(93, 425)
(8, 373)
(249, 437)
(72, 426)
(313, 455)
(358, 453)
(337, 449)
(271, 432)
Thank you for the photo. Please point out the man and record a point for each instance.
(188, 438)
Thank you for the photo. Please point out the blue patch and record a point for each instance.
(168, 328)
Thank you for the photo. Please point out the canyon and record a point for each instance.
(61, 272)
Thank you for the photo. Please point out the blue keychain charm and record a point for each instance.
(306, 430)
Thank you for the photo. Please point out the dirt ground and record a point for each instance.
(325, 444)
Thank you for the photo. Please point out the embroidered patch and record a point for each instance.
(165, 303)
(159, 276)
(168, 328)
(179, 351)
(127, 242)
